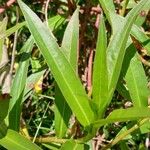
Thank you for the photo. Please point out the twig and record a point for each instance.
(49, 140)
(8, 4)
(46, 11)
(89, 79)
(123, 135)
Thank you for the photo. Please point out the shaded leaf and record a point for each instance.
(13, 29)
(4, 105)
(17, 89)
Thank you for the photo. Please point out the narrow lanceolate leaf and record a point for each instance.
(141, 37)
(108, 7)
(122, 115)
(62, 70)
(12, 30)
(137, 82)
(70, 39)
(70, 50)
(117, 47)
(14, 140)
(3, 25)
(100, 74)
(55, 22)
(18, 86)
(72, 145)
(135, 31)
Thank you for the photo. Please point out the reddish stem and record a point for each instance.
(89, 80)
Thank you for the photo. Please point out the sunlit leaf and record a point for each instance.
(14, 140)
(70, 49)
(117, 47)
(122, 115)
(62, 70)
(100, 74)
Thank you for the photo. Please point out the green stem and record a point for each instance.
(123, 135)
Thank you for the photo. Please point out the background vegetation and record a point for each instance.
(102, 44)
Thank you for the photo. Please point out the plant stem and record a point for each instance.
(123, 135)
(49, 140)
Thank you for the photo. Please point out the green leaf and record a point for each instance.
(14, 140)
(55, 22)
(135, 31)
(70, 40)
(108, 7)
(62, 113)
(141, 18)
(11, 30)
(62, 70)
(3, 129)
(145, 128)
(141, 37)
(52, 146)
(70, 50)
(4, 105)
(3, 25)
(117, 47)
(122, 90)
(17, 89)
(122, 115)
(72, 145)
(137, 82)
(100, 74)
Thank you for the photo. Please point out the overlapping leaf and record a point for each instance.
(117, 46)
(63, 72)
(17, 89)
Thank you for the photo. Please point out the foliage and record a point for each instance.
(74, 78)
